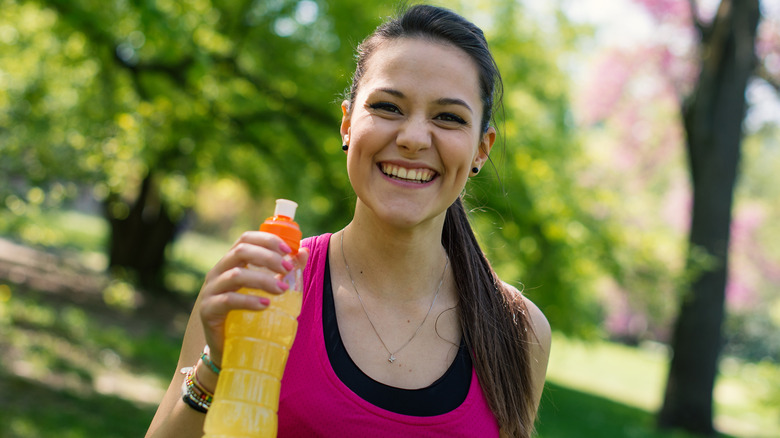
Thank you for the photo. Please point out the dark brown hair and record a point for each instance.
(496, 325)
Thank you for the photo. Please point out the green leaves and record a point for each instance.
(196, 92)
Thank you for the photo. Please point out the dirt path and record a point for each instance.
(48, 272)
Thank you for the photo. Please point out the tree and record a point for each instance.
(146, 102)
(684, 89)
(713, 115)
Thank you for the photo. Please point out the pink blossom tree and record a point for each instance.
(712, 114)
(704, 56)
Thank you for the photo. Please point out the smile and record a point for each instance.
(421, 175)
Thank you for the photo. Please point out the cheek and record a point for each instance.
(368, 136)
(463, 153)
(357, 156)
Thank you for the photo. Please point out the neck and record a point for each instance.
(397, 263)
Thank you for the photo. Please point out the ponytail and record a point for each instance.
(496, 327)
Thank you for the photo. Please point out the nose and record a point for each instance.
(414, 135)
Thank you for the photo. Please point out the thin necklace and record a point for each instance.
(391, 358)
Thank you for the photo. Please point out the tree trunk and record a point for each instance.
(140, 237)
(713, 119)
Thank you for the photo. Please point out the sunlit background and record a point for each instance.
(139, 139)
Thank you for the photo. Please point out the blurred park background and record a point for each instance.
(636, 196)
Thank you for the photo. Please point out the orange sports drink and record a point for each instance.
(257, 344)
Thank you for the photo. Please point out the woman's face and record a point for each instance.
(414, 130)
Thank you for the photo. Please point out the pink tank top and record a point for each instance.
(315, 403)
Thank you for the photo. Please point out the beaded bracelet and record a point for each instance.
(193, 392)
(207, 360)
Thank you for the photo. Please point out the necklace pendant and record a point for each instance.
(391, 359)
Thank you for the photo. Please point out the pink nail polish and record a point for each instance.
(282, 285)
(286, 264)
(264, 301)
(285, 248)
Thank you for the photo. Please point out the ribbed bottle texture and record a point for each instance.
(257, 344)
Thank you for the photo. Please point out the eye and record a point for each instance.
(385, 106)
(450, 117)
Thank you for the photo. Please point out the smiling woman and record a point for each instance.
(405, 329)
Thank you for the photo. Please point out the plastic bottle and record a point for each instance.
(257, 344)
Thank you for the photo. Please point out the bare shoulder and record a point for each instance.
(540, 324)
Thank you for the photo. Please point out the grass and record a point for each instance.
(609, 369)
(74, 365)
(79, 369)
(567, 412)
(626, 383)
(39, 410)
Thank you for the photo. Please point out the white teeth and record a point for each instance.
(421, 175)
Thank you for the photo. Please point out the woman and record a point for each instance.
(405, 328)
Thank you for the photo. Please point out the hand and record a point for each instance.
(219, 294)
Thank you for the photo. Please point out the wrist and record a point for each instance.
(193, 392)
(206, 376)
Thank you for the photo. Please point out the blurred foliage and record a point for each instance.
(754, 319)
(228, 105)
(534, 217)
(627, 99)
(104, 93)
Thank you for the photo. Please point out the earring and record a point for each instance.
(344, 147)
(475, 170)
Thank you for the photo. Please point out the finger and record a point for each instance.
(216, 308)
(300, 259)
(236, 278)
(268, 240)
(248, 253)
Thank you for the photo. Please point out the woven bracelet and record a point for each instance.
(207, 360)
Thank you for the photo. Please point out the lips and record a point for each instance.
(418, 175)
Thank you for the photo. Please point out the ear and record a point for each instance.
(346, 121)
(485, 145)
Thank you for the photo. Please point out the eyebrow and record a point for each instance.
(441, 101)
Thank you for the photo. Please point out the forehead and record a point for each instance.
(423, 66)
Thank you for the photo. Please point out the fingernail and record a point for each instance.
(285, 248)
(282, 285)
(264, 301)
(286, 264)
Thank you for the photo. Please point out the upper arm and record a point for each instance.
(540, 348)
